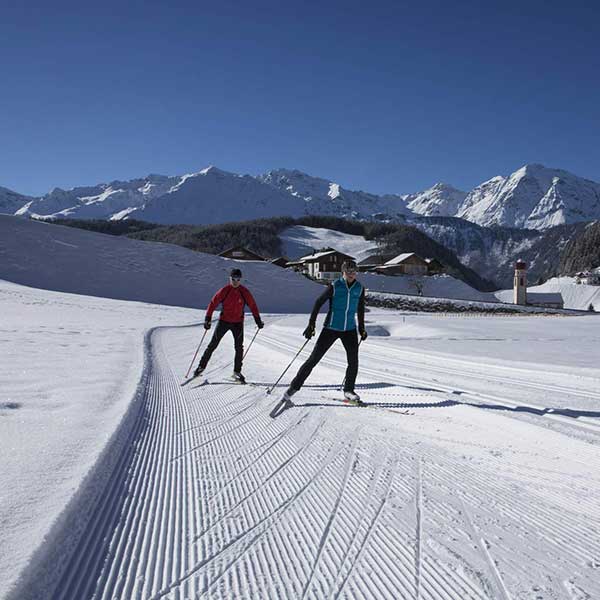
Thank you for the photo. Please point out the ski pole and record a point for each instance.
(197, 350)
(344, 382)
(251, 342)
(285, 371)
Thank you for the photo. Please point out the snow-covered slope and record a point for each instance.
(61, 258)
(103, 201)
(442, 200)
(11, 202)
(576, 296)
(534, 197)
(324, 197)
(299, 240)
(435, 286)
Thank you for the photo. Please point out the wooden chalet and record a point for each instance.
(280, 261)
(324, 264)
(240, 253)
(408, 263)
(373, 261)
(434, 266)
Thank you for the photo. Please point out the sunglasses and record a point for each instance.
(236, 279)
(351, 271)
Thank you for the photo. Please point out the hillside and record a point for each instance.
(263, 237)
(582, 252)
(66, 259)
(492, 251)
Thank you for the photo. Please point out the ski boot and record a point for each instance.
(287, 396)
(237, 376)
(351, 397)
(199, 370)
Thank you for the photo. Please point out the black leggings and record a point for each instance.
(325, 341)
(237, 330)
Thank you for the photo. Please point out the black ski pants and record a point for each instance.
(324, 342)
(237, 330)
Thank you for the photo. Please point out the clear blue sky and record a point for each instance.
(380, 96)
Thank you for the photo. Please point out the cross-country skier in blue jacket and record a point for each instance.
(346, 297)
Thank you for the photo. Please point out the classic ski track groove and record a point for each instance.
(213, 499)
(579, 423)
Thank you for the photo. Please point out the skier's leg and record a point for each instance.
(324, 342)
(220, 330)
(237, 330)
(350, 341)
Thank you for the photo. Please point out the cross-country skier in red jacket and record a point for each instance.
(233, 297)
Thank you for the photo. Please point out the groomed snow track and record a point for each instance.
(214, 499)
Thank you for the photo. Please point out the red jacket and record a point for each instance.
(234, 300)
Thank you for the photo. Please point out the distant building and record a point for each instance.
(373, 261)
(404, 264)
(325, 264)
(545, 300)
(588, 277)
(520, 283)
(240, 253)
(523, 297)
(434, 266)
(280, 261)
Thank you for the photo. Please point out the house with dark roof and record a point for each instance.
(545, 299)
(374, 260)
(323, 264)
(434, 266)
(280, 261)
(240, 253)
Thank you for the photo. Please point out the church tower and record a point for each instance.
(520, 283)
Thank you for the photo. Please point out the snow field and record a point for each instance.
(440, 496)
(576, 296)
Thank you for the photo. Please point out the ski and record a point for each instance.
(190, 379)
(280, 407)
(367, 405)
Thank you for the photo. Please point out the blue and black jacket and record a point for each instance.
(346, 302)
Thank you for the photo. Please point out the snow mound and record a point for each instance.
(434, 286)
(65, 259)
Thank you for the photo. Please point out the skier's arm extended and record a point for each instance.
(360, 312)
(326, 295)
(216, 300)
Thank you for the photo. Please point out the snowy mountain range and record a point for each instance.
(533, 197)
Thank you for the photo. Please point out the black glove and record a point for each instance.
(363, 334)
(309, 331)
(207, 324)
(259, 323)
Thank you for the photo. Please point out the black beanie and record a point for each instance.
(235, 273)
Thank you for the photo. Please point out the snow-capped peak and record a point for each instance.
(534, 197)
(441, 200)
